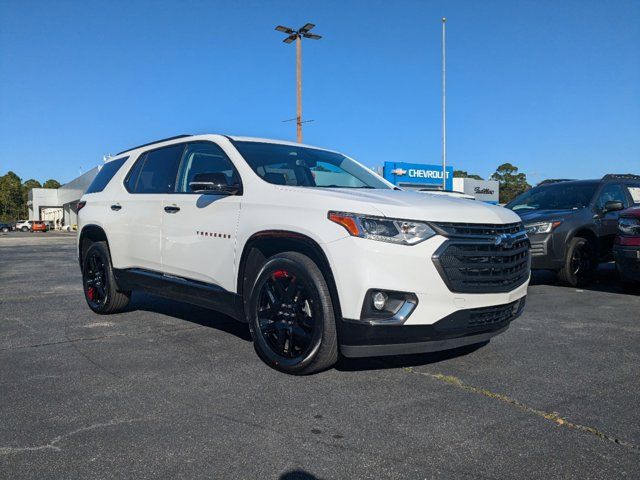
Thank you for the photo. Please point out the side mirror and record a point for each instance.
(613, 206)
(212, 188)
(213, 184)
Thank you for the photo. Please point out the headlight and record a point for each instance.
(403, 232)
(542, 227)
(629, 226)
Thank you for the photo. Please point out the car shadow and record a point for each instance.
(188, 312)
(142, 301)
(404, 361)
(297, 475)
(606, 279)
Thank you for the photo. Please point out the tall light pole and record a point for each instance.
(297, 35)
(444, 106)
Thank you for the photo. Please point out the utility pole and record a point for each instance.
(299, 88)
(444, 106)
(297, 35)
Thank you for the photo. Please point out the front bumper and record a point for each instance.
(543, 253)
(359, 265)
(464, 327)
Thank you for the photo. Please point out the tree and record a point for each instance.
(51, 183)
(26, 187)
(11, 201)
(511, 182)
(464, 174)
(14, 195)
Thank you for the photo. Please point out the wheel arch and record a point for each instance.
(586, 233)
(89, 234)
(265, 244)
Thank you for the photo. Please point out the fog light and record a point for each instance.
(379, 300)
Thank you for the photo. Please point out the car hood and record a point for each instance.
(535, 216)
(411, 205)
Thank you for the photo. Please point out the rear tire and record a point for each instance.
(98, 282)
(579, 264)
(25, 229)
(5, 230)
(291, 316)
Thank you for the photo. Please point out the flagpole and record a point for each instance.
(444, 107)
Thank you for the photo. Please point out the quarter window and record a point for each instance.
(205, 160)
(105, 175)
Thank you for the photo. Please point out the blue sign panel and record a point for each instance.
(417, 173)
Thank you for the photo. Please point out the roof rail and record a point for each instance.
(555, 180)
(629, 176)
(153, 143)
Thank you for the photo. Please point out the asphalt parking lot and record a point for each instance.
(170, 390)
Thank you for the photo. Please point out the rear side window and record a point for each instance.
(156, 171)
(105, 175)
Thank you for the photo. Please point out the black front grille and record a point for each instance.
(482, 262)
(468, 229)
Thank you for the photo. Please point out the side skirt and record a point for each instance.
(198, 293)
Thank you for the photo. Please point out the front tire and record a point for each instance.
(579, 265)
(291, 315)
(25, 229)
(98, 282)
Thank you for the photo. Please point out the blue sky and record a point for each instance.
(552, 87)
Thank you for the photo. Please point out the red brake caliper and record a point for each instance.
(91, 292)
(280, 274)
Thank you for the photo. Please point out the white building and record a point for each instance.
(483, 190)
(60, 203)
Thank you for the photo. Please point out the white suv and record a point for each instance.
(318, 254)
(24, 225)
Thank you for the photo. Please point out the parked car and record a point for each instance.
(572, 224)
(627, 247)
(39, 226)
(5, 227)
(23, 225)
(315, 251)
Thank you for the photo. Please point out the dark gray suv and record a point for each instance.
(572, 223)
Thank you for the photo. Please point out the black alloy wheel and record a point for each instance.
(291, 315)
(580, 263)
(95, 279)
(286, 314)
(99, 284)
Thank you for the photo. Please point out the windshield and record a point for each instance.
(306, 167)
(557, 196)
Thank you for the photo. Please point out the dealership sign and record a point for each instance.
(483, 190)
(400, 173)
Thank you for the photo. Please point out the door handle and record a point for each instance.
(171, 209)
(116, 206)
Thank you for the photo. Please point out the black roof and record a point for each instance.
(153, 143)
(605, 178)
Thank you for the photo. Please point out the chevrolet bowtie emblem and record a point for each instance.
(505, 240)
(399, 171)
